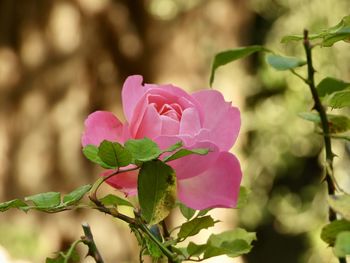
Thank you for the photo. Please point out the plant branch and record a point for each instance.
(324, 121)
(88, 240)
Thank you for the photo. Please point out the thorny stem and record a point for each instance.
(88, 239)
(324, 122)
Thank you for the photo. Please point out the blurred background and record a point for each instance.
(61, 60)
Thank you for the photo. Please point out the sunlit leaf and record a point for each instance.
(143, 150)
(329, 232)
(193, 227)
(342, 244)
(232, 243)
(187, 212)
(340, 204)
(336, 123)
(330, 85)
(339, 99)
(75, 196)
(16, 203)
(184, 152)
(290, 38)
(284, 63)
(231, 55)
(114, 154)
(174, 147)
(195, 250)
(113, 200)
(91, 153)
(156, 190)
(45, 200)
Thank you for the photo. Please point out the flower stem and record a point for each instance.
(88, 239)
(325, 127)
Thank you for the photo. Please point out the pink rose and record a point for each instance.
(167, 114)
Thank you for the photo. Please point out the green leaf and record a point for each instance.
(152, 248)
(187, 212)
(228, 56)
(69, 256)
(193, 227)
(242, 197)
(336, 123)
(143, 150)
(174, 147)
(342, 244)
(156, 190)
(184, 152)
(339, 99)
(340, 204)
(329, 36)
(91, 153)
(203, 212)
(45, 200)
(329, 232)
(330, 85)
(114, 154)
(195, 250)
(290, 38)
(16, 203)
(75, 196)
(113, 200)
(284, 63)
(232, 243)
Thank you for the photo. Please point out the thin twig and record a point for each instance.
(88, 239)
(324, 121)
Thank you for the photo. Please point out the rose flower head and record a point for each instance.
(167, 114)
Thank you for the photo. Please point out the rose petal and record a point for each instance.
(150, 125)
(221, 119)
(190, 122)
(125, 182)
(169, 126)
(102, 125)
(217, 186)
(131, 93)
(194, 164)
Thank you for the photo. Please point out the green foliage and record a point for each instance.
(284, 63)
(187, 212)
(242, 197)
(330, 232)
(45, 200)
(337, 123)
(16, 203)
(228, 56)
(193, 227)
(69, 256)
(114, 154)
(232, 243)
(342, 244)
(330, 85)
(156, 190)
(328, 37)
(48, 202)
(143, 150)
(340, 204)
(91, 153)
(75, 196)
(185, 152)
(339, 99)
(113, 200)
(174, 147)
